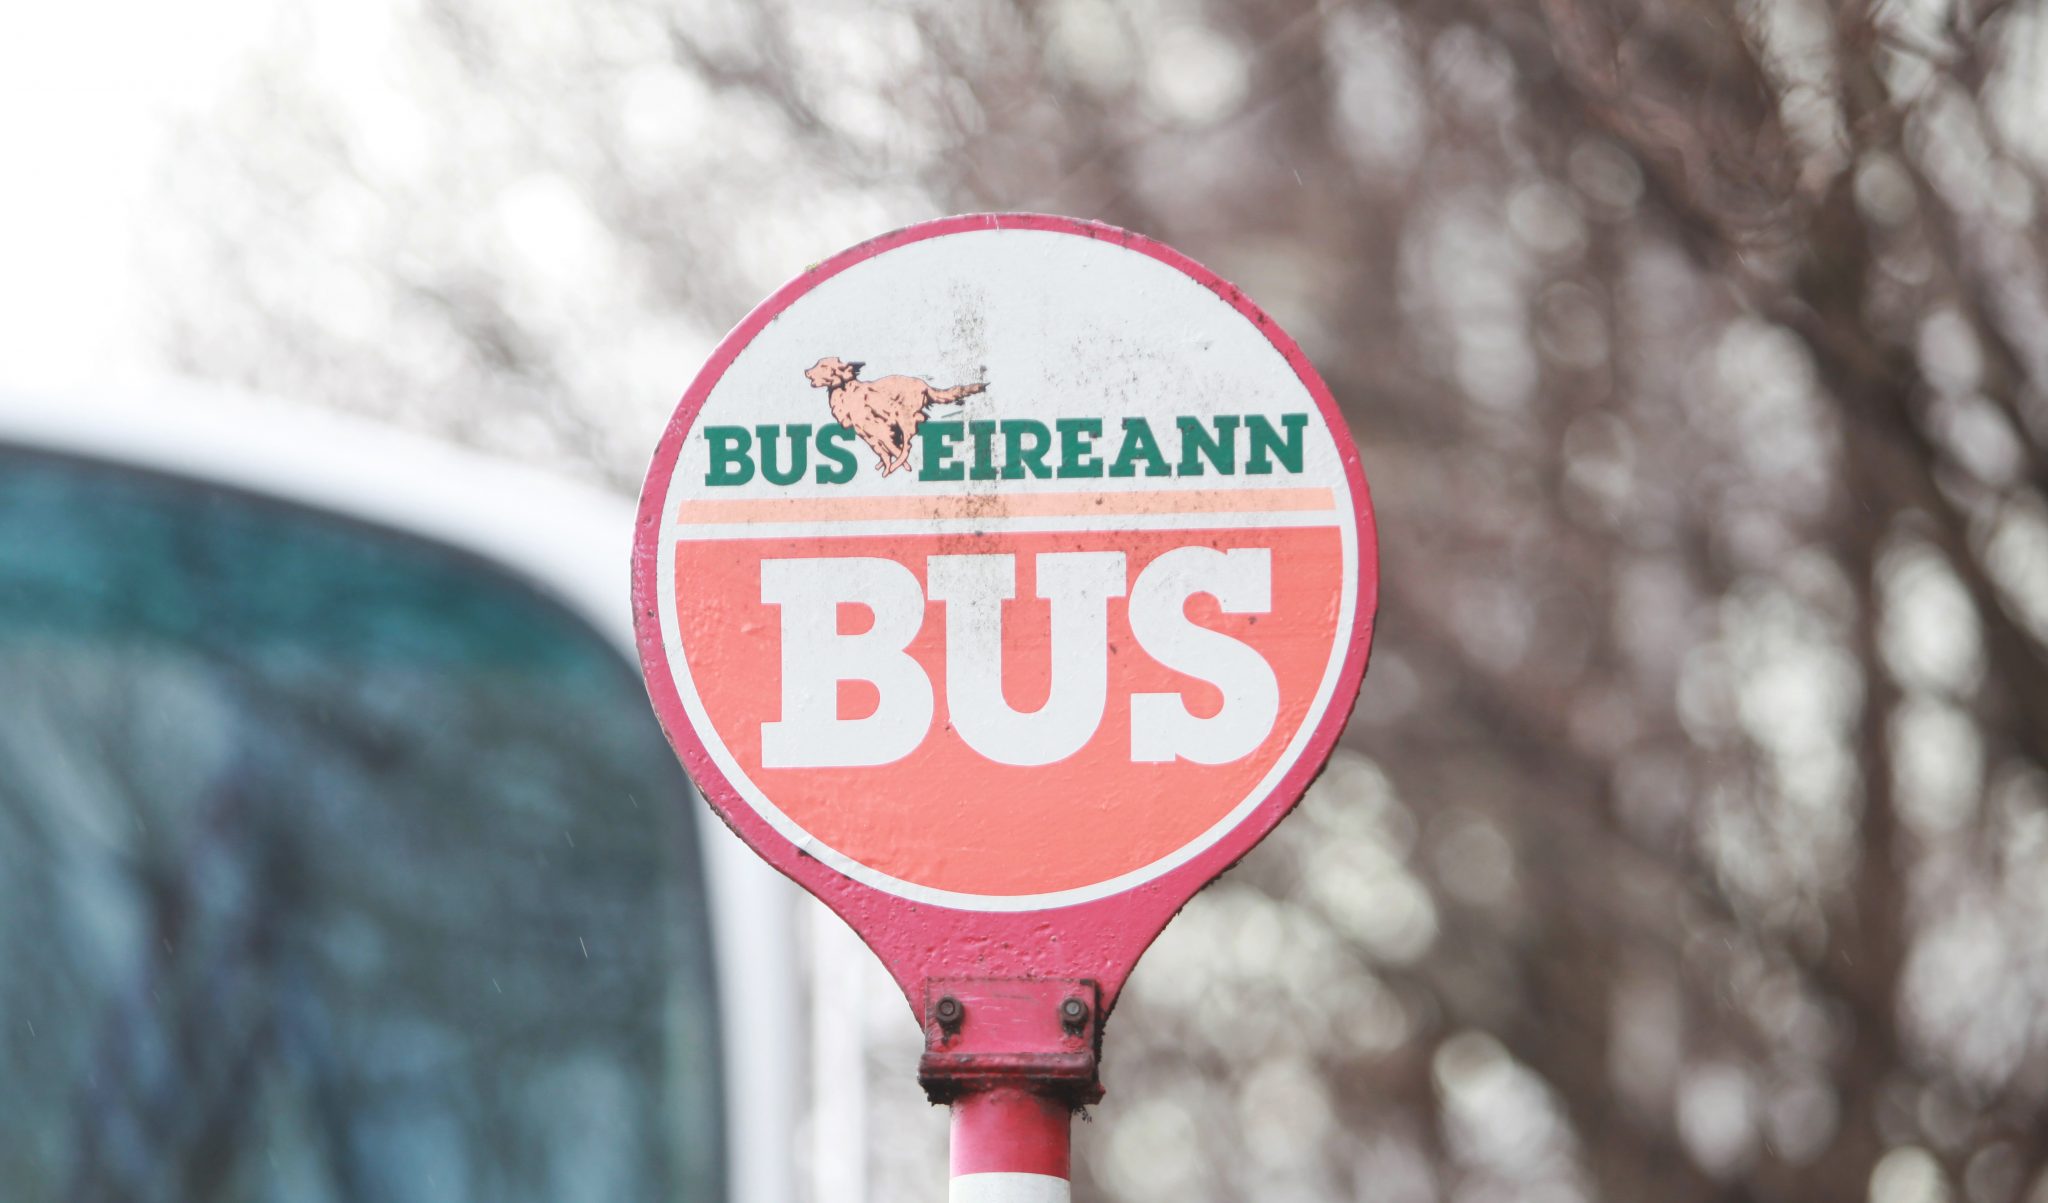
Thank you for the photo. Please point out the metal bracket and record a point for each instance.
(1040, 1034)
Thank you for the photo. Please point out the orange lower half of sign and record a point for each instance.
(1010, 714)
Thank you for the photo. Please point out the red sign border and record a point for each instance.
(1100, 939)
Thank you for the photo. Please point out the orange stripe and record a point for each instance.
(1005, 505)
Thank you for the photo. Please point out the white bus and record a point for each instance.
(341, 857)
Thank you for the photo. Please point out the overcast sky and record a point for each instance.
(89, 95)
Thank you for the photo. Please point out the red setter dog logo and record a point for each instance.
(885, 413)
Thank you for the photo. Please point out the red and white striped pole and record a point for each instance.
(1013, 1058)
(1011, 1145)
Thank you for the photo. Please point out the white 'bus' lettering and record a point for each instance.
(1079, 585)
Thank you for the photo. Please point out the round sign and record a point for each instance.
(1002, 565)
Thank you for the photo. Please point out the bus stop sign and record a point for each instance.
(1003, 580)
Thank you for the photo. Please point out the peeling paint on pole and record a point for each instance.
(1003, 580)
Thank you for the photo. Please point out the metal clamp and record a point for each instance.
(1041, 1034)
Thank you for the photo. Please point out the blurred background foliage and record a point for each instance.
(1688, 842)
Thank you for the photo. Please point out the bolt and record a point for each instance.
(949, 1013)
(1073, 1016)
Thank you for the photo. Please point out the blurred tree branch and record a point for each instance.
(1668, 329)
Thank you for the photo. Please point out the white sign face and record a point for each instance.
(1005, 568)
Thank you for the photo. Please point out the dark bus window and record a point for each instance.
(333, 866)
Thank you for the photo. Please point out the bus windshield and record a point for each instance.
(334, 865)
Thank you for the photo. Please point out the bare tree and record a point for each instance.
(1690, 837)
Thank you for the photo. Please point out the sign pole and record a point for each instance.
(1011, 1145)
(1014, 1058)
